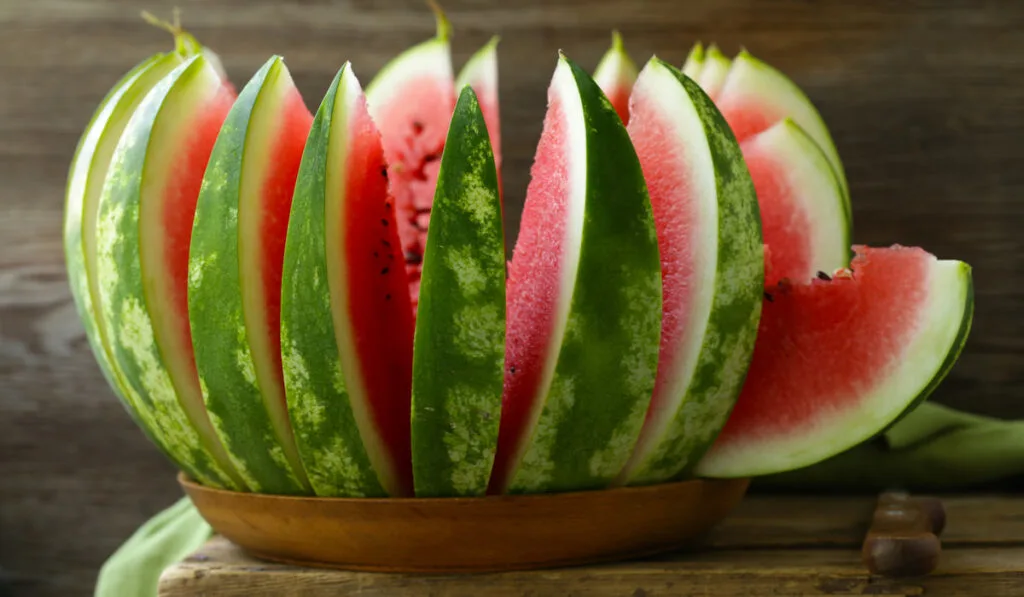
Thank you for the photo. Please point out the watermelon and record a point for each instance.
(615, 75)
(803, 213)
(714, 70)
(481, 74)
(411, 99)
(840, 359)
(143, 219)
(584, 315)
(234, 278)
(694, 62)
(459, 355)
(712, 265)
(346, 324)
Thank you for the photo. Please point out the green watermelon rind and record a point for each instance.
(806, 168)
(594, 407)
(940, 338)
(730, 324)
(765, 81)
(129, 328)
(326, 430)
(238, 408)
(459, 350)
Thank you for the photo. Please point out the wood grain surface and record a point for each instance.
(770, 546)
(925, 100)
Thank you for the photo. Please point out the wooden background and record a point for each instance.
(925, 100)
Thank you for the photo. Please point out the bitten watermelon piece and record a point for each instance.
(346, 324)
(839, 360)
(803, 213)
(411, 100)
(615, 75)
(234, 278)
(143, 220)
(459, 357)
(584, 315)
(712, 264)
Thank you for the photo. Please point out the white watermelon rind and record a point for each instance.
(938, 339)
(616, 70)
(727, 303)
(694, 62)
(714, 71)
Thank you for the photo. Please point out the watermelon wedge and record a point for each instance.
(584, 315)
(615, 75)
(694, 62)
(411, 100)
(459, 356)
(755, 96)
(803, 213)
(481, 74)
(838, 360)
(346, 324)
(712, 265)
(234, 278)
(143, 220)
(714, 71)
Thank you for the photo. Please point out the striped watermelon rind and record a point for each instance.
(259, 443)
(459, 351)
(595, 400)
(729, 309)
(145, 144)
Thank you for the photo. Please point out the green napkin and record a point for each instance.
(932, 448)
(170, 536)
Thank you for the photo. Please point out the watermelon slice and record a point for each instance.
(584, 315)
(481, 74)
(143, 220)
(615, 75)
(346, 325)
(755, 96)
(838, 360)
(459, 356)
(714, 71)
(803, 213)
(411, 100)
(712, 265)
(234, 278)
(694, 62)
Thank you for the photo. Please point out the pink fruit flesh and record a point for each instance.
(533, 288)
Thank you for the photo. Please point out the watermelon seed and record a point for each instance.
(385, 243)
(769, 297)
(383, 271)
(375, 254)
(384, 172)
(411, 257)
(387, 205)
(824, 276)
(391, 256)
(512, 369)
(387, 297)
(417, 127)
(384, 221)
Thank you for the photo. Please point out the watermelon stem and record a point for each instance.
(444, 26)
(184, 43)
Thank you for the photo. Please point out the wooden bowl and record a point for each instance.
(486, 534)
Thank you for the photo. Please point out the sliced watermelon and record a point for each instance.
(411, 100)
(234, 281)
(694, 61)
(481, 73)
(712, 265)
(803, 214)
(346, 324)
(615, 75)
(584, 315)
(459, 356)
(714, 71)
(143, 219)
(837, 361)
(755, 96)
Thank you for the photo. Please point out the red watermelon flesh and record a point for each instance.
(534, 287)
(838, 360)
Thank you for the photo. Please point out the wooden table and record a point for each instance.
(771, 545)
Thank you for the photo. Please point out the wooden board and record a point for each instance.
(924, 99)
(771, 546)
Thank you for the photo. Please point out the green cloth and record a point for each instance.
(170, 536)
(932, 448)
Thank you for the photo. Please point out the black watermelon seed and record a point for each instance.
(391, 256)
(824, 276)
(384, 172)
(387, 297)
(375, 254)
(769, 297)
(385, 243)
(384, 221)
(387, 205)
(384, 271)
(512, 369)
(417, 127)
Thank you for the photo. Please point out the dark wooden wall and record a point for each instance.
(924, 98)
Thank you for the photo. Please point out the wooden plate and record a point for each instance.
(444, 535)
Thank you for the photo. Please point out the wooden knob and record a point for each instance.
(903, 539)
